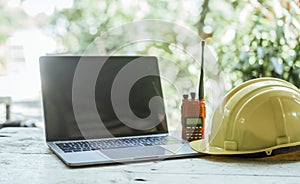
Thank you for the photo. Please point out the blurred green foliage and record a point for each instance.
(9, 20)
(78, 26)
(257, 39)
(251, 38)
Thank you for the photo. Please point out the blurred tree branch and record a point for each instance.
(201, 23)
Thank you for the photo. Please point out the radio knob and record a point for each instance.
(185, 96)
(193, 95)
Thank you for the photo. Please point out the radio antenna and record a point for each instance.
(201, 81)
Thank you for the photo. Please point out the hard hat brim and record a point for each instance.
(202, 146)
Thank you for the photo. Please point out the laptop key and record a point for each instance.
(68, 151)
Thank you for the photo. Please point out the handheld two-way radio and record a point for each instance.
(193, 111)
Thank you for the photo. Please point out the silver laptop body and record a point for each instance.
(101, 110)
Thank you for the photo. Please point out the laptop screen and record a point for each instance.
(86, 97)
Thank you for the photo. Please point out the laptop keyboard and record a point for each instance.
(91, 145)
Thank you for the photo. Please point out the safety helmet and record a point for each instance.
(260, 115)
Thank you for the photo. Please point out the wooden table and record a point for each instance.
(25, 158)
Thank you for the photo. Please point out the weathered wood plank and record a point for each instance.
(46, 169)
(25, 158)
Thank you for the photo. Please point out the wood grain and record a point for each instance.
(25, 158)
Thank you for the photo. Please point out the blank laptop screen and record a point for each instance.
(97, 97)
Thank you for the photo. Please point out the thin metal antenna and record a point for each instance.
(201, 81)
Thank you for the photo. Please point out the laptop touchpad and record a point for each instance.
(135, 152)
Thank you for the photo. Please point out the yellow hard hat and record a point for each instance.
(260, 115)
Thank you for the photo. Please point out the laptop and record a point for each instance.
(106, 109)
